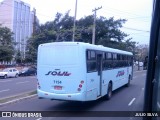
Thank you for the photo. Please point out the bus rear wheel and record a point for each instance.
(129, 81)
(109, 92)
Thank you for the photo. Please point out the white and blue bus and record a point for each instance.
(78, 71)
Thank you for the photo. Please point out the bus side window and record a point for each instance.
(119, 60)
(124, 60)
(115, 61)
(104, 59)
(88, 55)
(91, 61)
(130, 61)
(108, 61)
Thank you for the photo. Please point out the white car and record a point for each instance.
(9, 72)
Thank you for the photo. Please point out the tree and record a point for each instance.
(141, 52)
(6, 44)
(18, 57)
(108, 33)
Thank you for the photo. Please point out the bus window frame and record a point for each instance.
(90, 59)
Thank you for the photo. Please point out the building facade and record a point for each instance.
(17, 16)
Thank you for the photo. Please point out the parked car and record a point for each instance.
(28, 71)
(9, 72)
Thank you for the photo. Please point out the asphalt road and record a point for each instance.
(14, 86)
(124, 99)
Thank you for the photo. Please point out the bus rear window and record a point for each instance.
(59, 55)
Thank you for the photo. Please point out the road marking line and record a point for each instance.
(22, 82)
(6, 81)
(15, 100)
(4, 90)
(39, 119)
(131, 102)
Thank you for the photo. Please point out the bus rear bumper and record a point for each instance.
(68, 97)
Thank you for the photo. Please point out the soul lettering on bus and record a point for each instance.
(58, 73)
(120, 73)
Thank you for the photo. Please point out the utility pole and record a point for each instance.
(94, 24)
(74, 24)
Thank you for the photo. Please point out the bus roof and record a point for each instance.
(87, 46)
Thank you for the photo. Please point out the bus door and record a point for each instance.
(99, 68)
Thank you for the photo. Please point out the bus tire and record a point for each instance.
(129, 81)
(109, 92)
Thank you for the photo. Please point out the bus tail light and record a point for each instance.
(79, 89)
(82, 82)
(38, 85)
(80, 85)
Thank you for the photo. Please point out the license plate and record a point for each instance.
(58, 87)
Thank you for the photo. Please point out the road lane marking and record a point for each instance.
(4, 90)
(39, 119)
(22, 82)
(131, 102)
(6, 81)
(15, 100)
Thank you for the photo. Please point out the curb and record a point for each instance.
(17, 100)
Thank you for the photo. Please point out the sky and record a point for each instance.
(137, 12)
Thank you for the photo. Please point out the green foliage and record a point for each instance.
(6, 44)
(108, 33)
(141, 51)
(18, 57)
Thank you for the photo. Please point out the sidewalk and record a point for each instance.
(135, 68)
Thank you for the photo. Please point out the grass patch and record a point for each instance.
(32, 93)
